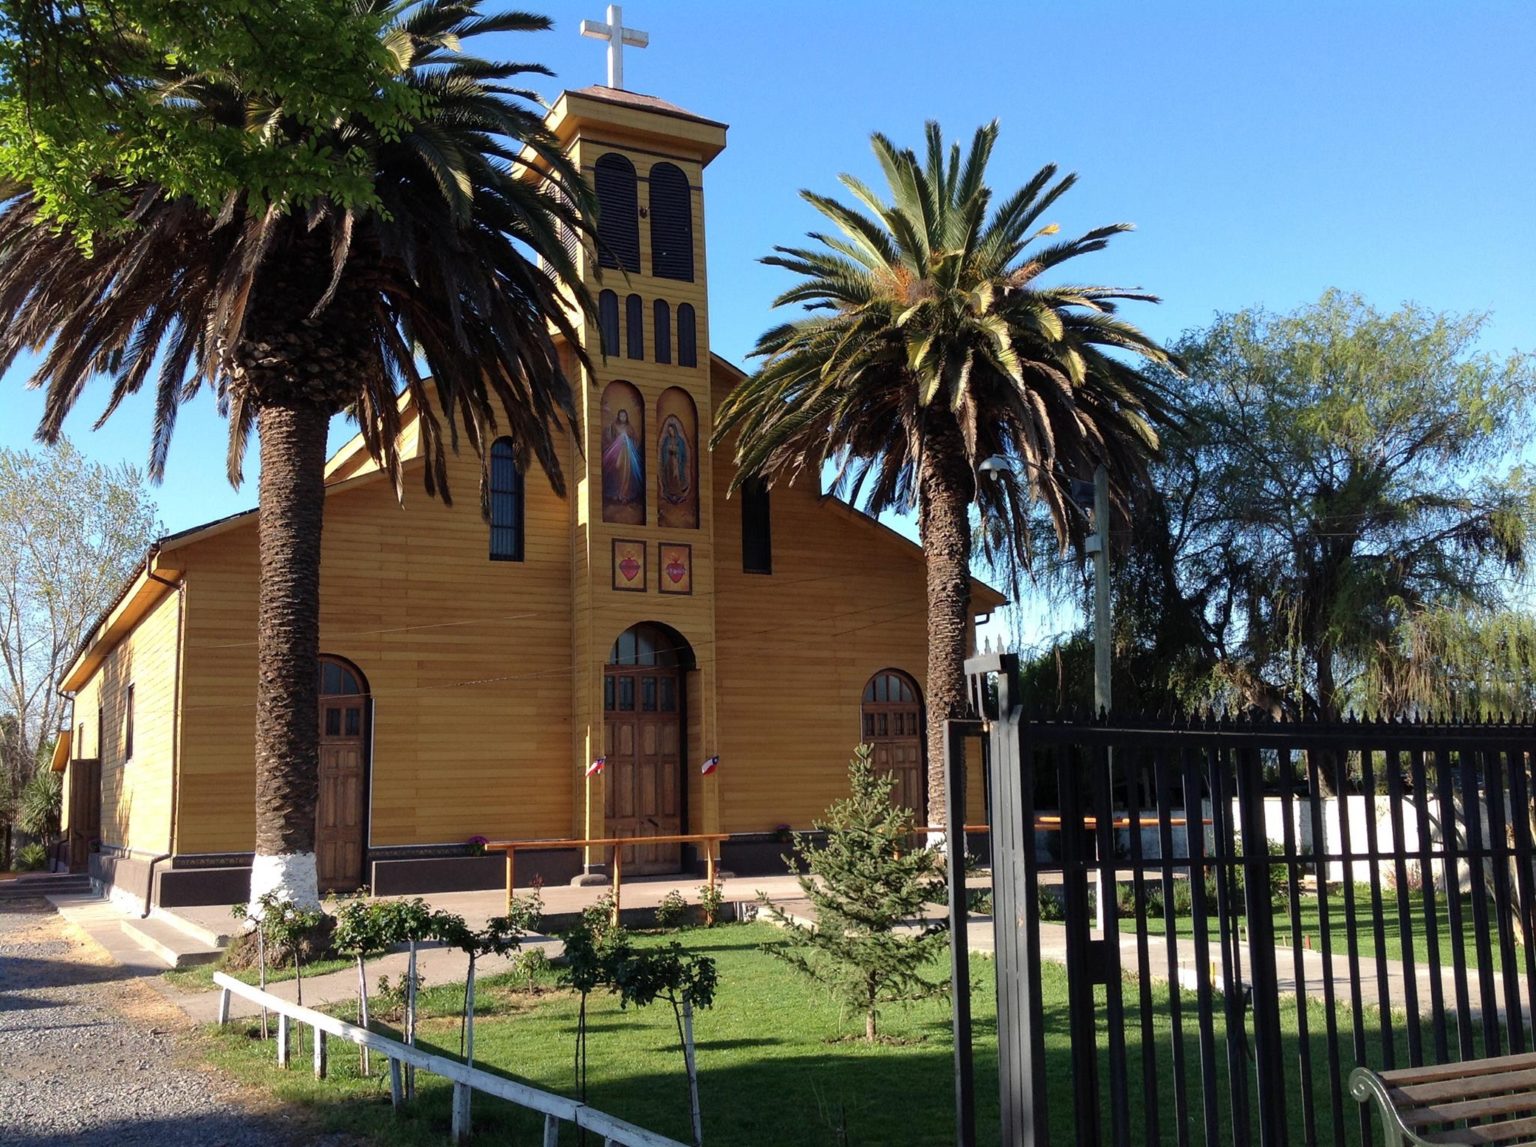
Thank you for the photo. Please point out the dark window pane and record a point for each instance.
(627, 694)
(668, 695)
(687, 349)
(883, 725)
(671, 223)
(661, 330)
(354, 722)
(648, 694)
(869, 725)
(608, 694)
(333, 722)
(634, 327)
(608, 321)
(618, 220)
(506, 498)
(756, 529)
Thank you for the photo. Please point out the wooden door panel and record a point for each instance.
(643, 766)
(341, 809)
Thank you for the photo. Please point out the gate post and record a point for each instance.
(956, 734)
(1015, 899)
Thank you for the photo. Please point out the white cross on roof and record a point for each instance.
(617, 36)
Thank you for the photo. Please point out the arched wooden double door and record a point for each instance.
(644, 720)
(892, 719)
(341, 808)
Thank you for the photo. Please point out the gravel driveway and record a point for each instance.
(90, 1055)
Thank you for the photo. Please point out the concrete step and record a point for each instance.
(168, 943)
(209, 936)
(43, 884)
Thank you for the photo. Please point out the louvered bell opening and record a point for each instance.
(671, 224)
(618, 220)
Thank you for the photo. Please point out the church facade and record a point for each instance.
(644, 657)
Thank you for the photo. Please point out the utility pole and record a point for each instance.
(1098, 545)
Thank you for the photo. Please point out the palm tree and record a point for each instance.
(292, 312)
(931, 346)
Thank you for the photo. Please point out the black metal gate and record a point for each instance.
(1281, 903)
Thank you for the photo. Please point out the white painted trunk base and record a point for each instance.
(290, 876)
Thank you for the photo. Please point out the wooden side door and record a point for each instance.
(84, 810)
(642, 739)
(342, 805)
(892, 720)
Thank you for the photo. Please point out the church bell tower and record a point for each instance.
(642, 520)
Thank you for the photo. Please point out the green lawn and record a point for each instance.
(1309, 914)
(199, 977)
(776, 1065)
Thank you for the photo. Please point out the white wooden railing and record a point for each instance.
(556, 1109)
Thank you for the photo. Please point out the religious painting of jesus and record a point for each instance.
(623, 455)
(677, 461)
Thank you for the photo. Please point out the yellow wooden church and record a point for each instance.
(474, 672)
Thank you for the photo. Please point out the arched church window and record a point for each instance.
(608, 321)
(671, 223)
(618, 213)
(661, 329)
(687, 346)
(623, 461)
(677, 460)
(506, 503)
(634, 327)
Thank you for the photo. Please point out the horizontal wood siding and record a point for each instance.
(468, 660)
(796, 647)
(136, 792)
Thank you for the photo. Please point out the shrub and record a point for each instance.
(865, 884)
(42, 801)
(1183, 898)
(711, 900)
(1052, 907)
(32, 857)
(671, 912)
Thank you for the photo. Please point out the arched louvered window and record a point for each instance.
(634, 327)
(608, 321)
(661, 330)
(687, 346)
(618, 213)
(506, 495)
(671, 223)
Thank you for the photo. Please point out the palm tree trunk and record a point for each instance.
(292, 501)
(945, 491)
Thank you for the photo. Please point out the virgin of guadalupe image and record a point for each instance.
(676, 478)
(623, 464)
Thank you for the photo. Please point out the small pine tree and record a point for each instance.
(867, 886)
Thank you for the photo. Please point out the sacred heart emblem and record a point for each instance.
(676, 570)
(629, 567)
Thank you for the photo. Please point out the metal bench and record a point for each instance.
(1489, 1101)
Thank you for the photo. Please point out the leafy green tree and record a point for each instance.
(1339, 513)
(83, 119)
(869, 890)
(429, 236)
(934, 343)
(70, 531)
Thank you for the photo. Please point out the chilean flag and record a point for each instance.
(596, 766)
(710, 765)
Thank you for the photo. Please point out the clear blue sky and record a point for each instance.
(1265, 151)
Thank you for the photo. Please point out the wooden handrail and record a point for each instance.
(711, 840)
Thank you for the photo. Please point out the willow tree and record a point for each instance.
(935, 340)
(405, 215)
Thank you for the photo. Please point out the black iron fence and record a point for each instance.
(1204, 925)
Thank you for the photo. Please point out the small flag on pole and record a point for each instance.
(596, 766)
(710, 765)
